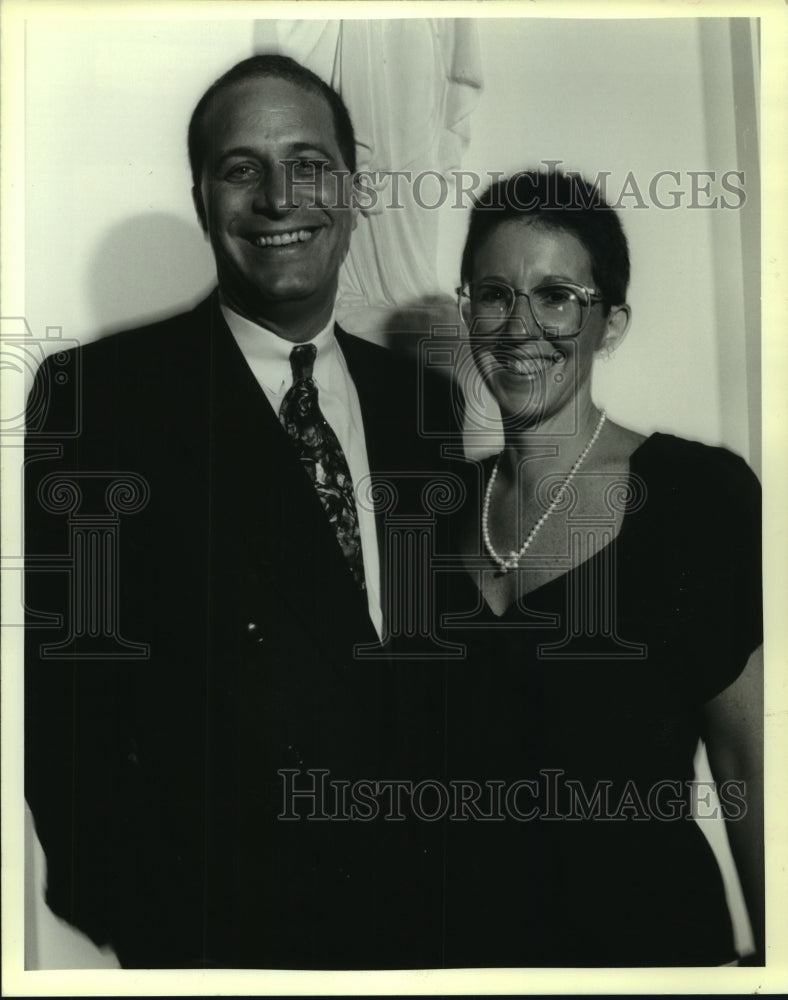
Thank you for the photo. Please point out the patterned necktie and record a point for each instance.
(322, 456)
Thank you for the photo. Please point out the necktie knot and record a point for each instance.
(302, 360)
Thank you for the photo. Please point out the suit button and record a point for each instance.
(253, 632)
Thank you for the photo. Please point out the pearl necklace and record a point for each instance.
(514, 557)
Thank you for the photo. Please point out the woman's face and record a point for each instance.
(532, 378)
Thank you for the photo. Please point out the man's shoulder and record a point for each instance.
(395, 365)
(358, 348)
(397, 390)
(152, 340)
(124, 367)
(113, 381)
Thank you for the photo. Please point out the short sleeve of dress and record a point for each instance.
(694, 564)
(727, 557)
(744, 626)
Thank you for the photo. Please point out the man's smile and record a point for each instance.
(281, 239)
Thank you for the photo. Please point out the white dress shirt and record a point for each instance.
(268, 356)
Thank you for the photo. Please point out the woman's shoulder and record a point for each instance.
(685, 462)
(698, 480)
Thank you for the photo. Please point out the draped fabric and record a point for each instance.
(410, 86)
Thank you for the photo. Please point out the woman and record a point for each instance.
(611, 614)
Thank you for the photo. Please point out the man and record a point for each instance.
(220, 574)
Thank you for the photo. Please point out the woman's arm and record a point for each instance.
(733, 733)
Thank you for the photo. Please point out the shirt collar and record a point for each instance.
(269, 354)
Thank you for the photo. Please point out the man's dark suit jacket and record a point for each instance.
(152, 756)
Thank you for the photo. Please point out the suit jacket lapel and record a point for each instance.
(279, 529)
(375, 404)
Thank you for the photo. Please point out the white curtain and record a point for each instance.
(410, 86)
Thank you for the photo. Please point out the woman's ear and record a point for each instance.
(618, 320)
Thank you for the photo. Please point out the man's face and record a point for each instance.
(279, 233)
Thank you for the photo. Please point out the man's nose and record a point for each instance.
(274, 193)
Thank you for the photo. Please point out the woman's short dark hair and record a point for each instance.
(562, 201)
(283, 68)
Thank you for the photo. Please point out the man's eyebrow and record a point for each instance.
(303, 147)
(229, 154)
(294, 149)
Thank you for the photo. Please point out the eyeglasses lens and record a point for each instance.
(556, 308)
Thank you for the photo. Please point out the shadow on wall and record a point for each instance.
(146, 268)
(407, 325)
(448, 354)
(433, 322)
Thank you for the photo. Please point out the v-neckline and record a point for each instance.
(626, 521)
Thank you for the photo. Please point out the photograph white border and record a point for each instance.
(774, 51)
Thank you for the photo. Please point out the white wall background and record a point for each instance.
(111, 237)
(640, 97)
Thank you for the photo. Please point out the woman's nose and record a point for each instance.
(521, 322)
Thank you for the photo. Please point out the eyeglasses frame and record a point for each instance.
(592, 297)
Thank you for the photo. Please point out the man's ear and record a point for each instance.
(199, 207)
(617, 324)
(355, 192)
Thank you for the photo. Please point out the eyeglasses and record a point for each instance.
(559, 309)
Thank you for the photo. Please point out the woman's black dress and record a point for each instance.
(576, 716)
